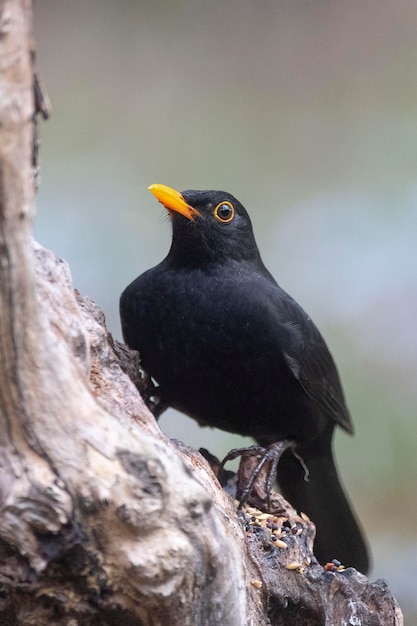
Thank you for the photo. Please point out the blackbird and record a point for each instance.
(230, 348)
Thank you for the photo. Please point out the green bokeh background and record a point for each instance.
(307, 112)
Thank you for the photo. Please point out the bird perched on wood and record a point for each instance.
(233, 350)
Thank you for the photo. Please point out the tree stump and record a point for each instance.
(103, 520)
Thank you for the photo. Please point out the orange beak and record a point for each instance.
(173, 201)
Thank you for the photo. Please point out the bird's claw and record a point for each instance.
(267, 456)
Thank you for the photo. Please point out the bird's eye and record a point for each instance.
(224, 212)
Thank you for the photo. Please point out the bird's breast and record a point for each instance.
(210, 343)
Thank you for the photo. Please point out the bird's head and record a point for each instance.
(208, 226)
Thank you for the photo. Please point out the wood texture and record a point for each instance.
(103, 520)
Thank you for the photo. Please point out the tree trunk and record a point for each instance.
(103, 520)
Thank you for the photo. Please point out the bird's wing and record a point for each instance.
(309, 359)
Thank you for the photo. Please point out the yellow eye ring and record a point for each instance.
(224, 212)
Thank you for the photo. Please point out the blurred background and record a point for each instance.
(307, 112)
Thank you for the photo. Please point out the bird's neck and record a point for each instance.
(211, 261)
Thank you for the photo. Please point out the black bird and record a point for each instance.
(233, 350)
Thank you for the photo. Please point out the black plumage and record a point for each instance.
(233, 350)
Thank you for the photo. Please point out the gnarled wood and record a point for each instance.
(102, 519)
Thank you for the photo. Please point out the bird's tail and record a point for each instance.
(323, 499)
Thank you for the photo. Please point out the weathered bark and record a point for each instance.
(103, 520)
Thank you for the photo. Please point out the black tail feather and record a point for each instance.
(323, 499)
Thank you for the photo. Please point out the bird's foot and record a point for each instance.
(150, 394)
(268, 457)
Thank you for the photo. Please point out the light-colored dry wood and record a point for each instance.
(102, 519)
